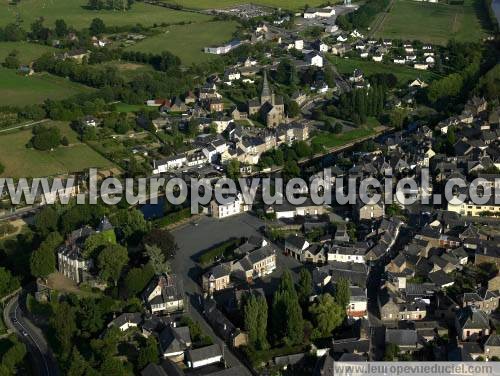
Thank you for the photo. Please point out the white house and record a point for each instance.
(377, 58)
(326, 12)
(418, 83)
(346, 254)
(126, 321)
(299, 44)
(342, 38)
(168, 164)
(314, 59)
(331, 29)
(421, 66)
(233, 207)
(358, 303)
(399, 60)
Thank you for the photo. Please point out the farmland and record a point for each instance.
(369, 67)
(27, 52)
(76, 15)
(431, 23)
(22, 162)
(285, 4)
(17, 90)
(187, 41)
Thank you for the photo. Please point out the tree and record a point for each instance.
(46, 138)
(343, 292)
(326, 315)
(97, 26)
(233, 169)
(113, 367)
(8, 283)
(130, 225)
(61, 28)
(43, 260)
(291, 169)
(293, 109)
(391, 352)
(77, 365)
(64, 324)
(164, 240)
(288, 323)
(157, 259)
(46, 220)
(111, 261)
(397, 117)
(305, 286)
(255, 317)
(148, 353)
(96, 242)
(13, 356)
(337, 128)
(12, 60)
(137, 279)
(2, 168)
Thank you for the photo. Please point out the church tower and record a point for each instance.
(267, 94)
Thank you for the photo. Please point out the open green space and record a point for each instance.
(19, 90)
(27, 52)
(432, 22)
(331, 140)
(20, 161)
(187, 41)
(284, 4)
(369, 67)
(76, 15)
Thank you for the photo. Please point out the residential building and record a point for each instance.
(164, 294)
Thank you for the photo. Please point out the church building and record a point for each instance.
(270, 108)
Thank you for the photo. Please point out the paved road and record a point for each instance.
(193, 239)
(45, 364)
(25, 125)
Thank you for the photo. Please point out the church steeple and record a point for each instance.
(266, 95)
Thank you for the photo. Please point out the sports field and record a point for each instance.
(22, 162)
(430, 22)
(76, 15)
(188, 41)
(18, 90)
(284, 4)
(27, 52)
(369, 67)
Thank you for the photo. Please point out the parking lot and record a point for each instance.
(193, 239)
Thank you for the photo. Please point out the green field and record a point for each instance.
(188, 41)
(431, 23)
(331, 140)
(369, 67)
(27, 52)
(18, 90)
(284, 4)
(22, 162)
(75, 14)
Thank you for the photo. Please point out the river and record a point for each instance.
(496, 9)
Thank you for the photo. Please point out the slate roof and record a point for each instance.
(204, 353)
(493, 340)
(401, 337)
(471, 318)
(175, 339)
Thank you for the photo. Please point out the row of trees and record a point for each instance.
(358, 104)
(110, 4)
(291, 311)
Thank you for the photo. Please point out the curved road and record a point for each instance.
(31, 336)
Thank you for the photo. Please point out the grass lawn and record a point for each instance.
(27, 52)
(77, 16)
(129, 70)
(188, 41)
(18, 90)
(369, 67)
(125, 107)
(331, 140)
(432, 23)
(285, 4)
(22, 162)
